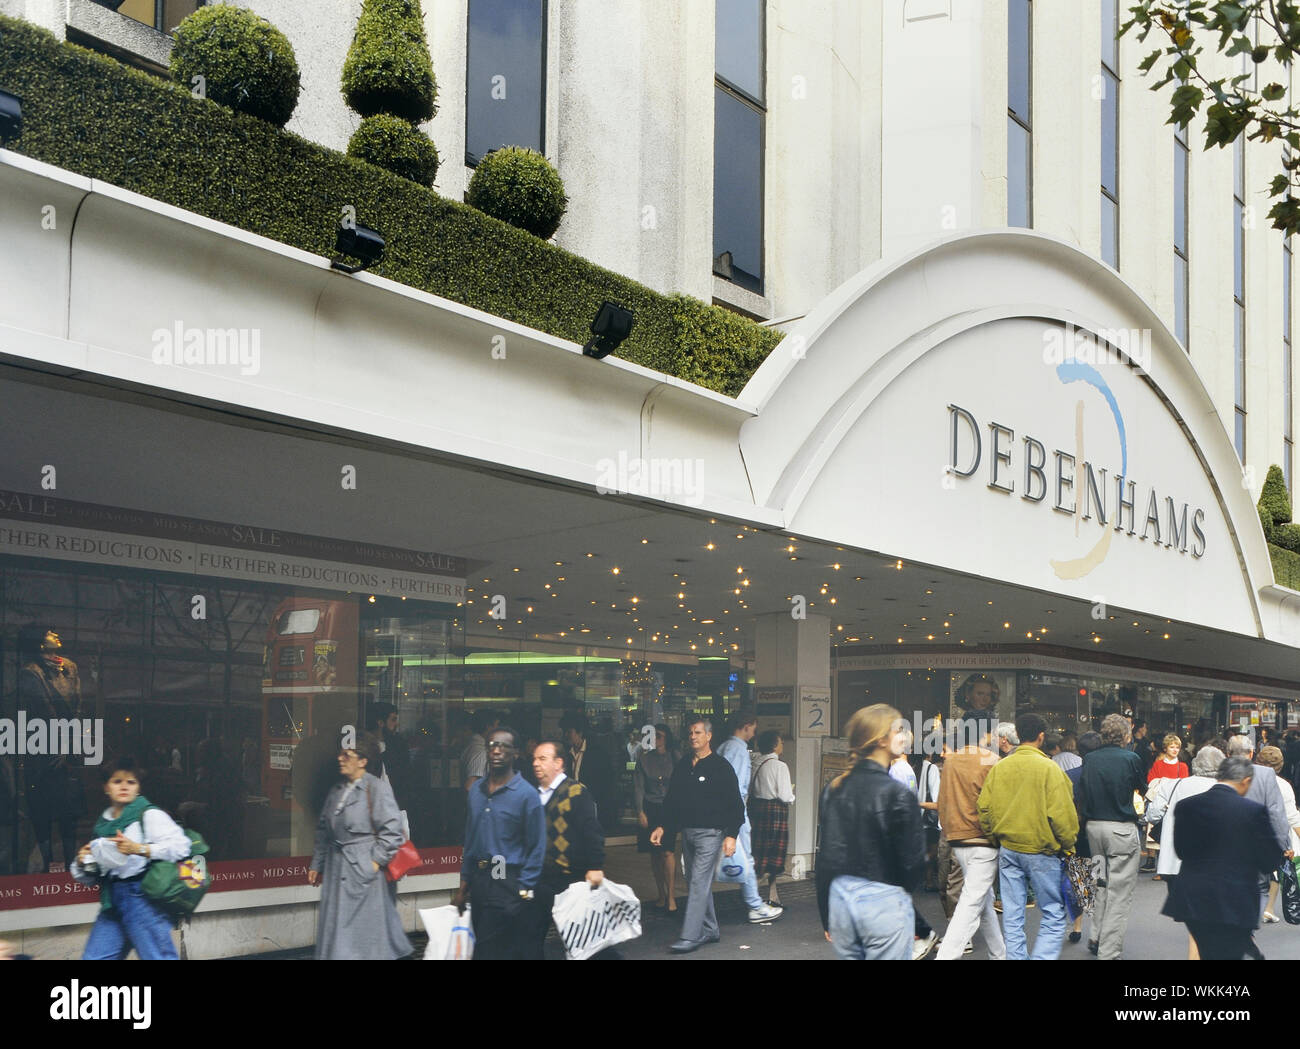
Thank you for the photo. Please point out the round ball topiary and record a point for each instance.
(390, 142)
(388, 69)
(519, 186)
(245, 62)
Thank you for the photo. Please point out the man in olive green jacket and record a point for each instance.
(1026, 807)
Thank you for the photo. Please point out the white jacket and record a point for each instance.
(166, 841)
(771, 780)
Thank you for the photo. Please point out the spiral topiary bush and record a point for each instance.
(392, 143)
(246, 63)
(519, 186)
(388, 69)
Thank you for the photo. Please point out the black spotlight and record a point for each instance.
(11, 116)
(612, 325)
(360, 242)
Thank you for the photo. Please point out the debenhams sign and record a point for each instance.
(1089, 490)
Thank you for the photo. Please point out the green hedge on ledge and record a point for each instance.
(1286, 567)
(97, 117)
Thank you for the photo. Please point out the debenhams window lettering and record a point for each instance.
(225, 658)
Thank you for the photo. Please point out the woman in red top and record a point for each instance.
(1167, 766)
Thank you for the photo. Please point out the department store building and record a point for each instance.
(1016, 428)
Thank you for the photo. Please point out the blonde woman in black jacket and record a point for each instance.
(872, 853)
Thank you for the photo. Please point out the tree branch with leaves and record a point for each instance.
(1231, 107)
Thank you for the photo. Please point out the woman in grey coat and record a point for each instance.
(360, 830)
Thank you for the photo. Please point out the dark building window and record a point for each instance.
(505, 78)
(1020, 152)
(739, 110)
(163, 15)
(1110, 132)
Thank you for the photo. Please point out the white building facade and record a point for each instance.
(980, 450)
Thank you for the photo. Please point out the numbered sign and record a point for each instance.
(814, 711)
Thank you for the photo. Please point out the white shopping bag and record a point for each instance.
(733, 868)
(590, 919)
(451, 934)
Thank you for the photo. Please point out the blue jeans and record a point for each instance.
(1044, 874)
(135, 921)
(870, 920)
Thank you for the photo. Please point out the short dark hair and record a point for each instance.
(576, 721)
(514, 736)
(741, 720)
(367, 747)
(381, 712)
(768, 740)
(126, 763)
(1089, 742)
(1029, 726)
(1139, 723)
(1053, 742)
(561, 751)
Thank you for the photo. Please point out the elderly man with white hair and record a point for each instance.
(1265, 791)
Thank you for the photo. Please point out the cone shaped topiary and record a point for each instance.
(519, 186)
(1266, 523)
(245, 62)
(388, 69)
(1274, 496)
(390, 142)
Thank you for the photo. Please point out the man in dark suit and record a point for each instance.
(591, 765)
(575, 844)
(1225, 842)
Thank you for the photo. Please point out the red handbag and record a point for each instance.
(406, 857)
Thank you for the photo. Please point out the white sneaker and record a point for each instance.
(766, 913)
(923, 945)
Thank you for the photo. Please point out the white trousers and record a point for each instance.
(979, 864)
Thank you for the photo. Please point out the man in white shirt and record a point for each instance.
(736, 752)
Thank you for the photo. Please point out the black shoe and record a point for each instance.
(1075, 937)
(1092, 946)
(686, 946)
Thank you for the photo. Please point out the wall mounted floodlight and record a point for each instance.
(11, 116)
(612, 325)
(360, 242)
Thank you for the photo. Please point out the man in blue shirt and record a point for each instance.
(505, 845)
(736, 752)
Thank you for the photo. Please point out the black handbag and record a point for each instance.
(1289, 881)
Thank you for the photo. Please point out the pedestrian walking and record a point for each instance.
(592, 765)
(650, 780)
(1226, 845)
(505, 847)
(900, 770)
(1111, 775)
(964, 773)
(1265, 791)
(1088, 742)
(575, 843)
(129, 835)
(1271, 758)
(359, 831)
(1026, 807)
(770, 796)
(1162, 810)
(703, 803)
(872, 854)
(736, 751)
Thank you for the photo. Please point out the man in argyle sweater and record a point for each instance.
(575, 843)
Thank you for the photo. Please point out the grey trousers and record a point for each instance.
(1121, 844)
(951, 875)
(700, 849)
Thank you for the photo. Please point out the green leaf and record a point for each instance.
(1272, 92)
